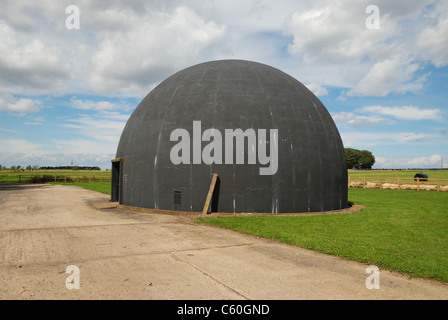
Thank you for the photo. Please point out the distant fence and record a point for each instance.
(55, 178)
(398, 183)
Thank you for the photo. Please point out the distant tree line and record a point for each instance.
(30, 168)
(359, 159)
(19, 168)
(70, 168)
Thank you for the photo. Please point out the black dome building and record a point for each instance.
(272, 142)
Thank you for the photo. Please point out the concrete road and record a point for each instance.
(127, 255)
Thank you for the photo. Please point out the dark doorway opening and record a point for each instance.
(215, 196)
(177, 201)
(116, 181)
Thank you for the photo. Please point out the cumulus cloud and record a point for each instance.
(97, 105)
(405, 112)
(19, 106)
(18, 146)
(317, 89)
(127, 47)
(433, 40)
(375, 115)
(152, 48)
(395, 74)
(358, 121)
(430, 161)
(83, 146)
(369, 139)
(87, 140)
(334, 31)
(97, 128)
(372, 62)
(27, 62)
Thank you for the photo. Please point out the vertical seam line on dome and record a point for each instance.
(155, 179)
(320, 159)
(274, 199)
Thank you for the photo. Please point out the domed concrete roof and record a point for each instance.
(272, 142)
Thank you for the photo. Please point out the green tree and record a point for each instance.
(352, 156)
(359, 159)
(366, 159)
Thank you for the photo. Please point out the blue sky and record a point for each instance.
(66, 94)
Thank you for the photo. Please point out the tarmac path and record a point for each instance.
(122, 254)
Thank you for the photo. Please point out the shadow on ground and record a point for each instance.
(20, 186)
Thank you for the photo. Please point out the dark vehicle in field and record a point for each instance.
(422, 176)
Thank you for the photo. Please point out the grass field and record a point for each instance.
(11, 176)
(82, 175)
(7, 176)
(398, 179)
(405, 231)
(432, 174)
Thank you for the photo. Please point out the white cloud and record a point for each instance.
(39, 119)
(18, 146)
(126, 48)
(359, 121)
(334, 31)
(96, 105)
(114, 115)
(369, 139)
(405, 112)
(375, 116)
(433, 40)
(83, 146)
(317, 89)
(107, 131)
(27, 16)
(27, 62)
(19, 106)
(431, 161)
(153, 47)
(370, 62)
(394, 74)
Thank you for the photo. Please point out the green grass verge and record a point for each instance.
(405, 231)
(103, 187)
